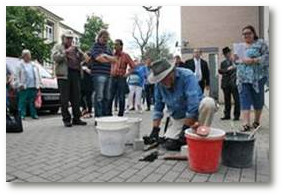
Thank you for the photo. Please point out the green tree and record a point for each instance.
(91, 28)
(156, 53)
(24, 30)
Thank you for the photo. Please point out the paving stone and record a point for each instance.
(154, 177)
(187, 174)
(169, 176)
(46, 151)
(216, 177)
(263, 178)
(109, 175)
(21, 174)
(135, 178)
(117, 179)
(200, 178)
(163, 169)
(128, 173)
(232, 175)
(146, 171)
(89, 177)
(36, 179)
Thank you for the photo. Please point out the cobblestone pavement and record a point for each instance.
(48, 152)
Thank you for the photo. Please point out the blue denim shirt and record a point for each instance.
(183, 100)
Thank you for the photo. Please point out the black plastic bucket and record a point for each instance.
(238, 150)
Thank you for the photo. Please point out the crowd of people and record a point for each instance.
(102, 78)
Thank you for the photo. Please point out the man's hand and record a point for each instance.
(68, 50)
(111, 59)
(87, 70)
(200, 130)
(87, 58)
(230, 68)
(189, 122)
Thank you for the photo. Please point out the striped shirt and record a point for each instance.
(97, 67)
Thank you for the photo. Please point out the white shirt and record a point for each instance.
(198, 72)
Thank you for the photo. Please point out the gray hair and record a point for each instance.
(25, 51)
(101, 33)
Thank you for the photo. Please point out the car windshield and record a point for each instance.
(43, 73)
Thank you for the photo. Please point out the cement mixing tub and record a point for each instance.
(134, 131)
(238, 150)
(204, 152)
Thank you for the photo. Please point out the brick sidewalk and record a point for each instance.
(48, 152)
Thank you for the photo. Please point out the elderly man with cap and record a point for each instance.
(68, 58)
(28, 82)
(178, 89)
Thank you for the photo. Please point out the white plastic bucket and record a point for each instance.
(111, 122)
(134, 131)
(112, 141)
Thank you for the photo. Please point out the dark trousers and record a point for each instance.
(119, 91)
(201, 85)
(228, 91)
(86, 101)
(149, 94)
(70, 92)
(102, 96)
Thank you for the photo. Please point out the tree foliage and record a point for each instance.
(24, 30)
(91, 28)
(154, 53)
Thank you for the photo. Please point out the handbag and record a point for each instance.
(38, 100)
(13, 122)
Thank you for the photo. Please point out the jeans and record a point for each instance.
(119, 91)
(102, 98)
(27, 96)
(70, 92)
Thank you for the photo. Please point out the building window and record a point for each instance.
(49, 32)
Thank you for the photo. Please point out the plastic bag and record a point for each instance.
(38, 100)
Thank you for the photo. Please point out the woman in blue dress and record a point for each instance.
(252, 74)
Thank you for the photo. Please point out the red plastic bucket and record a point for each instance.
(204, 152)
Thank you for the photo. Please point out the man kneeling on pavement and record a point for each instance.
(178, 89)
